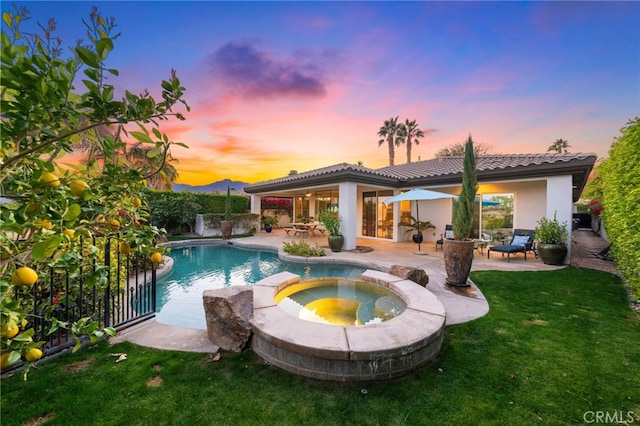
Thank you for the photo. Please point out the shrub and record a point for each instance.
(621, 202)
(331, 221)
(302, 248)
(551, 231)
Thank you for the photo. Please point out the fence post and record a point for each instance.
(153, 288)
(107, 290)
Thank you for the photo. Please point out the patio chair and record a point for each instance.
(522, 242)
(448, 233)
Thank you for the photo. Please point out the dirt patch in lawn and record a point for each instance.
(79, 366)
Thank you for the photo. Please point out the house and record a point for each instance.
(529, 186)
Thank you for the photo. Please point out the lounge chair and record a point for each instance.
(522, 242)
(448, 233)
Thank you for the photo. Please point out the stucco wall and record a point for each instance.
(530, 204)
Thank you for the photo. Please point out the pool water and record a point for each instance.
(340, 301)
(207, 267)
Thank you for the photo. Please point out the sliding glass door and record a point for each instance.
(377, 215)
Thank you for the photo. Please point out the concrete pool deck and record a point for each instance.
(459, 308)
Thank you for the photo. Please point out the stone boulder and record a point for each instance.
(227, 311)
(416, 275)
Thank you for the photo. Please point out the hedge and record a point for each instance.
(621, 202)
(176, 211)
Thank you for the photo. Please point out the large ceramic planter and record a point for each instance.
(458, 257)
(226, 227)
(417, 238)
(552, 254)
(268, 228)
(336, 242)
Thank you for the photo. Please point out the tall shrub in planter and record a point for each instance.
(227, 224)
(332, 222)
(458, 252)
(552, 237)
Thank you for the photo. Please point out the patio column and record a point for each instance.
(559, 201)
(256, 202)
(347, 203)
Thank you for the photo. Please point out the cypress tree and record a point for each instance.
(463, 206)
(227, 205)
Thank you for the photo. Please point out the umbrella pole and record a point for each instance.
(418, 219)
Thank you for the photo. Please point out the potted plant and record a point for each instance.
(226, 225)
(331, 222)
(458, 251)
(417, 226)
(269, 222)
(551, 237)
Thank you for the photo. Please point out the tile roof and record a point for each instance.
(440, 171)
(453, 165)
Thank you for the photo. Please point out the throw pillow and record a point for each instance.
(520, 240)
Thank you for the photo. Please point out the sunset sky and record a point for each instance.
(276, 86)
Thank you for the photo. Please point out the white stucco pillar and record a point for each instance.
(560, 203)
(348, 200)
(256, 202)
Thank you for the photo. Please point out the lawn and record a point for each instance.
(556, 348)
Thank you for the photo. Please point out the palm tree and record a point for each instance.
(408, 134)
(388, 133)
(559, 145)
(157, 171)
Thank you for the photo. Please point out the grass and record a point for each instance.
(554, 345)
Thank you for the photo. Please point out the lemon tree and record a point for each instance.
(53, 105)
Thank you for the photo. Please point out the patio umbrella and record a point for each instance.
(419, 194)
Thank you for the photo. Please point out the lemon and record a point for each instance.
(69, 232)
(33, 354)
(78, 187)
(24, 276)
(4, 360)
(156, 257)
(43, 223)
(9, 330)
(50, 179)
(114, 224)
(124, 248)
(100, 219)
(136, 202)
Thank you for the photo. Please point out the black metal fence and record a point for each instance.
(124, 295)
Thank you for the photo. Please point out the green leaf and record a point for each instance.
(73, 212)
(45, 249)
(104, 46)
(87, 56)
(142, 137)
(153, 153)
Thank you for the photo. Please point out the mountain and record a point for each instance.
(237, 187)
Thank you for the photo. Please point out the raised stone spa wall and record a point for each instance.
(338, 353)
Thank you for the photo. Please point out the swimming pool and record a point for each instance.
(205, 267)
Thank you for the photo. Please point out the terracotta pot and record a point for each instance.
(458, 257)
(226, 227)
(336, 242)
(552, 254)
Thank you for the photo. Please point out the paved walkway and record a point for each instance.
(460, 308)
